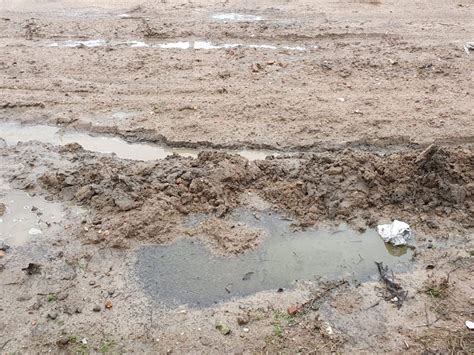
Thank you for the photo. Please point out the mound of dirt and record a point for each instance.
(146, 200)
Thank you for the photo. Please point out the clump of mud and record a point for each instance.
(146, 200)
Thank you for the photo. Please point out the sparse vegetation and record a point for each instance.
(437, 289)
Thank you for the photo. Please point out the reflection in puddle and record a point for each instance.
(75, 44)
(26, 217)
(122, 115)
(236, 17)
(187, 273)
(13, 133)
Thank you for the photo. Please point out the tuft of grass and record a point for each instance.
(52, 297)
(106, 346)
(277, 331)
(437, 289)
(83, 349)
(281, 315)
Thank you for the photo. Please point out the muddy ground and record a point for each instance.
(367, 103)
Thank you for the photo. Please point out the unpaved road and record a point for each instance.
(372, 99)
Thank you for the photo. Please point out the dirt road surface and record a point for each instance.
(364, 110)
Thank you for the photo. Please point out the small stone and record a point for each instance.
(92, 282)
(2, 253)
(62, 296)
(32, 269)
(52, 315)
(293, 310)
(3, 208)
(96, 308)
(108, 304)
(4, 246)
(243, 320)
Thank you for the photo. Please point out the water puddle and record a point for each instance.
(187, 273)
(233, 17)
(197, 45)
(26, 217)
(13, 133)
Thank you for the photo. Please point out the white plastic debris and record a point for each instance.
(468, 47)
(396, 233)
(470, 324)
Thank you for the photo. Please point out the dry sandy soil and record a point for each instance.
(368, 104)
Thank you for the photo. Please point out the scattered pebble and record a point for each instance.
(242, 320)
(53, 315)
(96, 308)
(293, 310)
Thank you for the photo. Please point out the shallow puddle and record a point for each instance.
(197, 45)
(187, 273)
(233, 17)
(26, 217)
(13, 133)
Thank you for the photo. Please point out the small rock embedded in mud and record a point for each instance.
(225, 330)
(108, 304)
(248, 275)
(125, 203)
(84, 193)
(3, 208)
(293, 310)
(243, 320)
(52, 315)
(32, 269)
(96, 308)
(4, 246)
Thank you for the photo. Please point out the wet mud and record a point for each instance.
(187, 177)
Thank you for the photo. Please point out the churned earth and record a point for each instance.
(186, 239)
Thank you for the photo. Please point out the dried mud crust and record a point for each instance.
(431, 189)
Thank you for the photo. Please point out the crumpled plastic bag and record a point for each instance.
(397, 233)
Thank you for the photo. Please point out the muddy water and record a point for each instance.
(233, 17)
(196, 45)
(187, 273)
(26, 217)
(13, 133)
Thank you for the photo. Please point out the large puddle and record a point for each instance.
(13, 133)
(24, 217)
(186, 272)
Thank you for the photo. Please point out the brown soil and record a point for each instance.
(379, 115)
